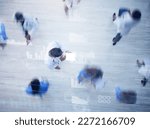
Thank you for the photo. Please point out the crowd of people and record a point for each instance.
(125, 20)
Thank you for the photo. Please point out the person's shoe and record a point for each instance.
(117, 38)
(144, 81)
(114, 41)
(57, 67)
(114, 44)
(3, 46)
(114, 17)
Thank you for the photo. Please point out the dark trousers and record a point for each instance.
(117, 38)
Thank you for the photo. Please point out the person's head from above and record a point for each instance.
(35, 85)
(55, 52)
(136, 14)
(19, 17)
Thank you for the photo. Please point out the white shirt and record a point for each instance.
(145, 70)
(99, 84)
(124, 23)
(30, 24)
(51, 61)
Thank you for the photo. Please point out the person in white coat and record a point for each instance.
(144, 70)
(125, 21)
(69, 5)
(28, 24)
(55, 54)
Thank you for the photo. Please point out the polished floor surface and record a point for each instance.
(87, 33)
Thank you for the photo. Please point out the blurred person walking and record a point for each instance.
(125, 21)
(144, 70)
(29, 25)
(3, 36)
(69, 5)
(91, 74)
(125, 96)
(55, 54)
(37, 87)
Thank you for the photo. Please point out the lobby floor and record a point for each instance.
(88, 34)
